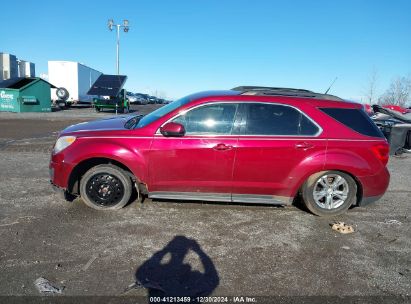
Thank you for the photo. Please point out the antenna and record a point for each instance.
(331, 85)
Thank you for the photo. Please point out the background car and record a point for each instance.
(131, 97)
(152, 99)
(397, 108)
(141, 98)
(368, 109)
(395, 126)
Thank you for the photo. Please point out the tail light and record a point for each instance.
(382, 152)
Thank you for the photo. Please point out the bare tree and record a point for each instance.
(371, 89)
(161, 94)
(154, 93)
(399, 92)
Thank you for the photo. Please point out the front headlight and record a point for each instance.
(62, 143)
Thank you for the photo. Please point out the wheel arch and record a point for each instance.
(359, 193)
(81, 168)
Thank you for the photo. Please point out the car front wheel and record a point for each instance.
(329, 193)
(105, 187)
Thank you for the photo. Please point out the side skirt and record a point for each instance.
(223, 197)
(262, 199)
(192, 196)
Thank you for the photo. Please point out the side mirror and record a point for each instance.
(173, 129)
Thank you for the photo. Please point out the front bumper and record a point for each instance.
(62, 193)
(59, 171)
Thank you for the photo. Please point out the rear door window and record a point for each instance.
(355, 119)
(277, 120)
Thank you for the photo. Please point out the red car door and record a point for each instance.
(199, 164)
(277, 145)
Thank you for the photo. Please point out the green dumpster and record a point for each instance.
(25, 95)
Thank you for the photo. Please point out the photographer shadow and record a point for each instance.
(168, 273)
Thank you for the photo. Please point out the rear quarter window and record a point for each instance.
(355, 119)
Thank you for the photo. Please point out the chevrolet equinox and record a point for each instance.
(258, 145)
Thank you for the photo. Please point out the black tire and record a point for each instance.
(319, 206)
(106, 187)
(97, 109)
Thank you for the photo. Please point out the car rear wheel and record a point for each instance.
(105, 187)
(329, 193)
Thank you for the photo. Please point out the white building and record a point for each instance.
(26, 68)
(8, 66)
(75, 77)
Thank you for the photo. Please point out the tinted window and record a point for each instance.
(355, 119)
(209, 119)
(271, 119)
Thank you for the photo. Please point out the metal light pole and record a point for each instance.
(126, 28)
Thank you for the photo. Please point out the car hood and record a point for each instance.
(112, 123)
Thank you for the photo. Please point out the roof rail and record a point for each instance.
(290, 92)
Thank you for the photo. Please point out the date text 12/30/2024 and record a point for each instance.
(239, 299)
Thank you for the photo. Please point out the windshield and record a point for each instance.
(164, 110)
(160, 112)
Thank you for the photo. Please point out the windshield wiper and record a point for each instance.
(130, 124)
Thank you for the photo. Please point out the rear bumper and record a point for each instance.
(374, 186)
(368, 200)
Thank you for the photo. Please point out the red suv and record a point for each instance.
(257, 145)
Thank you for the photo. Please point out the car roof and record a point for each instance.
(289, 92)
(266, 94)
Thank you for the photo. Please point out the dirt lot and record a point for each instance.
(233, 250)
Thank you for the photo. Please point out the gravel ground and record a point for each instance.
(227, 249)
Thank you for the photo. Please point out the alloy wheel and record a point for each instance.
(330, 191)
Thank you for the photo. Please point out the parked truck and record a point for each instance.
(110, 92)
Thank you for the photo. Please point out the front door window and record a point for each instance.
(213, 119)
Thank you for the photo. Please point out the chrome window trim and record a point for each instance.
(319, 132)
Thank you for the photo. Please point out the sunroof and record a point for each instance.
(108, 85)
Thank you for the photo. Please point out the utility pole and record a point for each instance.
(126, 28)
